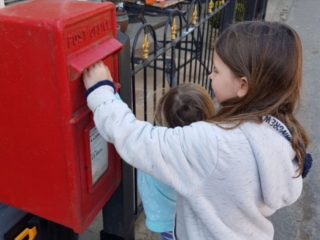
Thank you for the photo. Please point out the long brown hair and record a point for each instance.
(183, 105)
(269, 55)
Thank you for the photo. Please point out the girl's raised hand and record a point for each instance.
(96, 73)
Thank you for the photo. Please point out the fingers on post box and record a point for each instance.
(104, 71)
(108, 76)
(91, 76)
(96, 73)
(86, 78)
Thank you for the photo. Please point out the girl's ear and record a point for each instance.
(243, 87)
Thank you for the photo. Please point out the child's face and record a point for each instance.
(224, 83)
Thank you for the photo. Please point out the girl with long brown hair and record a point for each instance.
(235, 170)
(268, 60)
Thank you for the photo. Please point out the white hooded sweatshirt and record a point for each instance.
(228, 181)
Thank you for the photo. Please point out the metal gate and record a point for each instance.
(181, 53)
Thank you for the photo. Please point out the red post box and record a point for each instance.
(54, 163)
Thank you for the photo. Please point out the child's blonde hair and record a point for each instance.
(269, 55)
(183, 105)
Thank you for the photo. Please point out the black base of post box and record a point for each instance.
(45, 229)
(28, 221)
(54, 231)
(108, 236)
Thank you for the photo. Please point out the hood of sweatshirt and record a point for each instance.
(276, 166)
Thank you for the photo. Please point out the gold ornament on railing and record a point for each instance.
(211, 7)
(194, 16)
(174, 30)
(146, 47)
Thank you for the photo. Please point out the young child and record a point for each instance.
(235, 170)
(180, 106)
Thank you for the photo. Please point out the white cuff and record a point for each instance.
(99, 96)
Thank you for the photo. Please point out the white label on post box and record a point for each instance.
(99, 155)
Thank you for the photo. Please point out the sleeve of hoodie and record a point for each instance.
(174, 156)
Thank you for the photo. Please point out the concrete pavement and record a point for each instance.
(301, 221)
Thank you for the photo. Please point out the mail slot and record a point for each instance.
(54, 163)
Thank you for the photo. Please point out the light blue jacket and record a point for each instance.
(159, 203)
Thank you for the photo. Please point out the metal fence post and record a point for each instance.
(261, 9)
(250, 9)
(119, 212)
(228, 14)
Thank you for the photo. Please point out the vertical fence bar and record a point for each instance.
(172, 77)
(185, 56)
(228, 14)
(154, 79)
(209, 28)
(178, 45)
(196, 41)
(145, 102)
(205, 26)
(250, 9)
(261, 9)
(164, 63)
(209, 50)
(191, 53)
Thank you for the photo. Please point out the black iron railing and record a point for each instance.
(182, 53)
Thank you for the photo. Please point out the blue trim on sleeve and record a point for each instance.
(99, 84)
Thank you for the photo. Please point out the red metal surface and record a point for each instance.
(45, 123)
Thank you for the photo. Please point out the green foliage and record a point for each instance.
(240, 12)
(239, 15)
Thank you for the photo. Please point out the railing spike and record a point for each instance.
(211, 6)
(195, 16)
(146, 47)
(174, 29)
